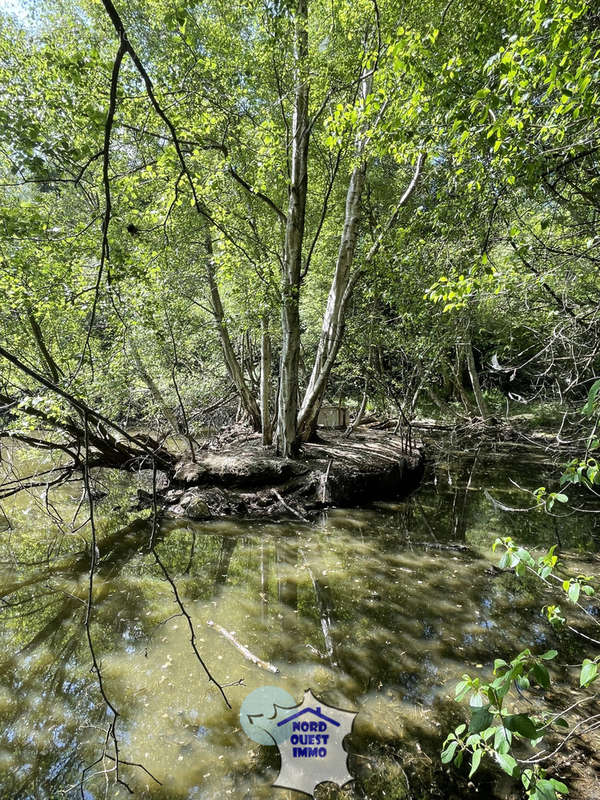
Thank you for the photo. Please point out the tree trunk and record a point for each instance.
(333, 319)
(457, 378)
(361, 411)
(234, 368)
(53, 367)
(119, 449)
(343, 283)
(265, 383)
(479, 398)
(363, 403)
(434, 396)
(294, 235)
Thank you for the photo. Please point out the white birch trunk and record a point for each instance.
(287, 419)
(342, 285)
(333, 319)
(479, 398)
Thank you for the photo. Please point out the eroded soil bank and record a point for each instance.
(248, 480)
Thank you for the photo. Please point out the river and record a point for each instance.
(369, 608)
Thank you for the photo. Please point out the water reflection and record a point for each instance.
(379, 610)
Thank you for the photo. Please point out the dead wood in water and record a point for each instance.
(229, 635)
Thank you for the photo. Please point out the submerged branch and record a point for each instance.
(243, 650)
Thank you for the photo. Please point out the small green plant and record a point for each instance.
(586, 469)
(493, 730)
(498, 728)
(547, 499)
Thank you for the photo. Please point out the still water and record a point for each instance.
(369, 608)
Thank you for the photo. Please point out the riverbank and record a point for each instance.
(248, 480)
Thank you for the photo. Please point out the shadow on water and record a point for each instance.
(378, 610)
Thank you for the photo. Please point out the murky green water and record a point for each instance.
(365, 608)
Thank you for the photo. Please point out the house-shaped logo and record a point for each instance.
(312, 750)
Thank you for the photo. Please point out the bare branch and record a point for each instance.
(105, 252)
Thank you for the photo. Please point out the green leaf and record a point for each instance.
(589, 406)
(480, 720)
(448, 752)
(589, 672)
(549, 654)
(542, 676)
(544, 790)
(475, 761)
(523, 682)
(526, 777)
(525, 556)
(501, 685)
(522, 724)
(573, 592)
(508, 764)
(488, 733)
(477, 700)
(502, 740)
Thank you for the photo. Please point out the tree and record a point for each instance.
(180, 191)
(154, 167)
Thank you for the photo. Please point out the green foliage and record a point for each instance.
(503, 217)
(546, 499)
(495, 729)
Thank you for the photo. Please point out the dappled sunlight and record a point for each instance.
(374, 610)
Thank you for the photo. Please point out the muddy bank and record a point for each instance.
(248, 480)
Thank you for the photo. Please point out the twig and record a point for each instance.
(244, 650)
(289, 508)
(112, 732)
(104, 255)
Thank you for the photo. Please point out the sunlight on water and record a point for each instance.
(368, 608)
